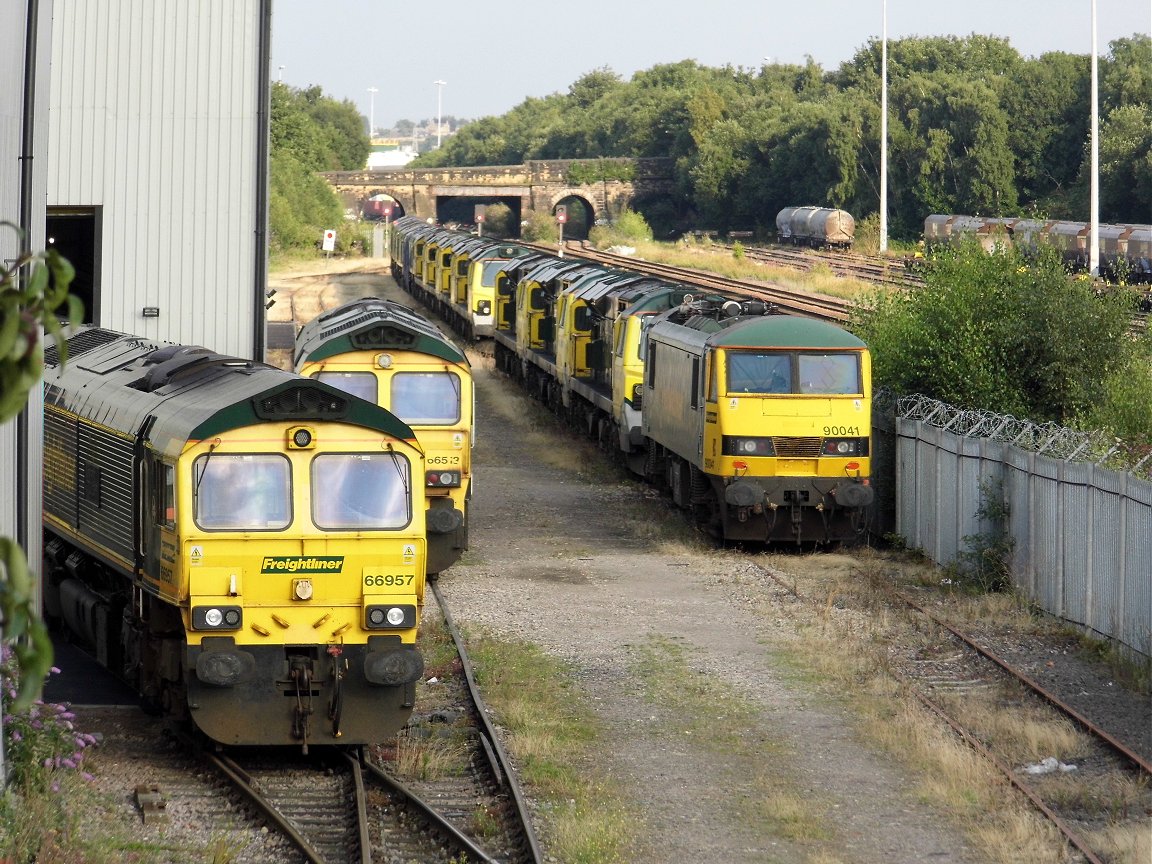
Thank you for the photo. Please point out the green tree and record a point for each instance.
(1126, 73)
(1048, 102)
(308, 134)
(1125, 165)
(33, 290)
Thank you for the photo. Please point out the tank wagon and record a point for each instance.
(820, 227)
(389, 355)
(1124, 251)
(577, 336)
(242, 545)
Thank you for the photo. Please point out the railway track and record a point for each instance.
(877, 270)
(366, 805)
(819, 306)
(964, 682)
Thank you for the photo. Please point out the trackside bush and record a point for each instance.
(629, 227)
(41, 740)
(1001, 333)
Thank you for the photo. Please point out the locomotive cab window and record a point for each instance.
(755, 372)
(250, 491)
(358, 491)
(713, 390)
(164, 494)
(830, 373)
(361, 384)
(426, 398)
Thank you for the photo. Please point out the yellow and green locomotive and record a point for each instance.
(241, 544)
(385, 353)
(760, 423)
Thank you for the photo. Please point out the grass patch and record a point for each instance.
(728, 727)
(553, 737)
(717, 258)
(842, 640)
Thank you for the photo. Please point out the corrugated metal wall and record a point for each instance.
(1082, 534)
(154, 121)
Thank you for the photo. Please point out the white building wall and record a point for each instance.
(154, 120)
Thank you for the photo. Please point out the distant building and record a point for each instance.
(391, 153)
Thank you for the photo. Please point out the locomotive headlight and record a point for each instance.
(216, 617)
(748, 446)
(302, 589)
(300, 438)
(442, 478)
(845, 447)
(384, 361)
(390, 616)
(484, 307)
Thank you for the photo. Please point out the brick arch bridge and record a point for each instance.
(536, 185)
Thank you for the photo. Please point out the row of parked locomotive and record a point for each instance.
(1124, 251)
(759, 424)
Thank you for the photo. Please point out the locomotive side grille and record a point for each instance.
(797, 448)
(80, 344)
(60, 465)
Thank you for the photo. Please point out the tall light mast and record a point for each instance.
(1094, 146)
(884, 131)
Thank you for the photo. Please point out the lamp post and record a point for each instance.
(1094, 158)
(439, 95)
(884, 132)
(372, 91)
(280, 78)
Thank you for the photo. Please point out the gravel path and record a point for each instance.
(557, 560)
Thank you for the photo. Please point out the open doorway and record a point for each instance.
(73, 232)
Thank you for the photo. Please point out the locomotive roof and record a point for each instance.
(595, 285)
(372, 324)
(549, 268)
(191, 393)
(781, 332)
(502, 250)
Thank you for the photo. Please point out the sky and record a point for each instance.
(492, 56)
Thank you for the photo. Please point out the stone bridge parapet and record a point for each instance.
(607, 185)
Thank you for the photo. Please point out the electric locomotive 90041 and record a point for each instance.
(760, 423)
(241, 544)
